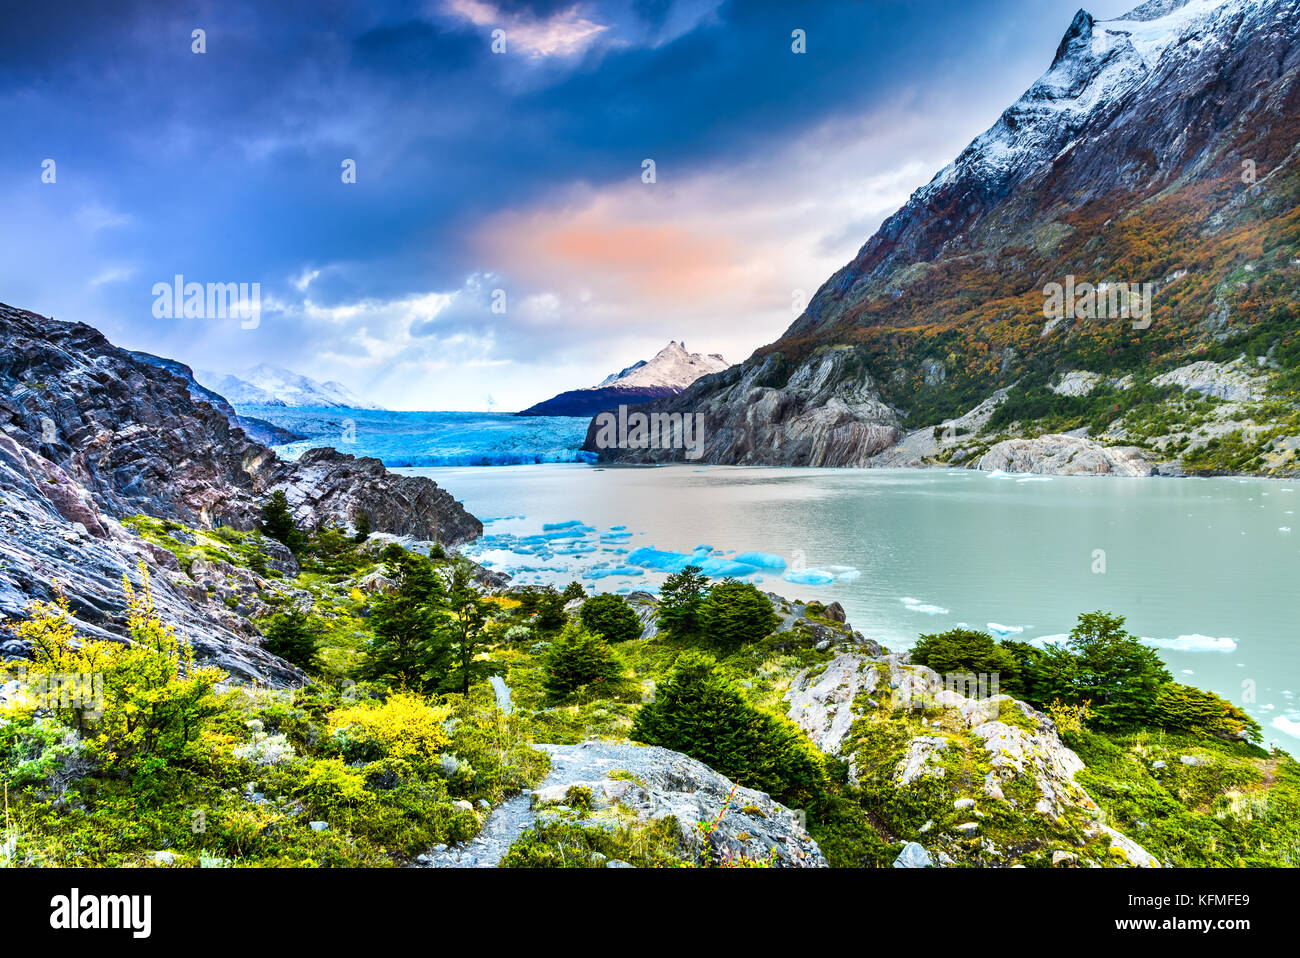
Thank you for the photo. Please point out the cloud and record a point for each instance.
(565, 33)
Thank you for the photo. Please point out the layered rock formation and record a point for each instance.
(92, 434)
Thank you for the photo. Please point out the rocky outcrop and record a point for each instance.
(637, 784)
(327, 486)
(90, 434)
(977, 761)
(258, 430)
(1235, 381)
(131, 434)
(52, 532)
(1060, 455)
(826, 411)
(662, 783)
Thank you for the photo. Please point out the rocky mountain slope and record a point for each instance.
(670, 371)
(1158, 149)
(92, 435)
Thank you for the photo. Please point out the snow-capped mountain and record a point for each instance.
(672, 366)
(266, 385)
(1160, 148)
(670, 371)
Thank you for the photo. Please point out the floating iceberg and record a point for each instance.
(999, 629)
(760, 560)
(1195, 643)
(925, 608)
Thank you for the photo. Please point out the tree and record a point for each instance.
(293, 637)
(681, 603)
(363, 527)
(609, 615)
(1186, 709)
(700, 710)
(578, 658)
(550, 610)
(277, 522)
(964, 651)
(574, 590)
(1104, 665)
(410, 646)
(137, 706)
(735, 613)
(467, 614)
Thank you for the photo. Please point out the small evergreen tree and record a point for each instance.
(735, 613)
(967, 651)
(574, 590)
(609, 615)
(1104, 665)
(681, 603)
(550, 610)
(277, 522)
(410, 647)
(577, 659)
(467, 614)
(363, 527)
(700, 710)
(293, 637)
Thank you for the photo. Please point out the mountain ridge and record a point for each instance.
(666, 374)
(1160, 149)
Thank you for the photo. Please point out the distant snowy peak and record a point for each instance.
(266, 385)
(672, 367)
(667, 374)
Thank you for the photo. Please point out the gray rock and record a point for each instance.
(913, 856)
(318, 826)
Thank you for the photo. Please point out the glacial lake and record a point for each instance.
(1205, 569)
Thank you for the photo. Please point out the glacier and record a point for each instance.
(405, 439)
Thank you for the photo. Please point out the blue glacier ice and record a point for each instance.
(402, 439)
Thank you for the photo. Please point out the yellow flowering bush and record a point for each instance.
(405, 728)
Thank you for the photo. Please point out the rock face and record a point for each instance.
(1234, 381)
(972, 760)
(51, 529)
(131, 434)
(668, 783)
(91, 434)
(825, 412)
(1059, 455)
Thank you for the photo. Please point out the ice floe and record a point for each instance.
(925, 608)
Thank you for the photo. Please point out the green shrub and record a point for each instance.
(610, 616)
(735, 613)
(964, 651)
(295, 638)
(681, 603)
(577, 659)
(698, 709)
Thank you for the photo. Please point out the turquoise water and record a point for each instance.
(1201, 568)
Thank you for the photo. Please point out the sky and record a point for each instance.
(503, 239)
